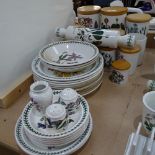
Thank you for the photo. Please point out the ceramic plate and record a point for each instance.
(43, 71)
(68, 53)
(25, 144)
(32, 118)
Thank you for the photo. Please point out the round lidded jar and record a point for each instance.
(109, 55)
(131, 55)
(113, 17)
(56, 112)
(120, 71)
(137, 23)
(41, 95)
(88, 16)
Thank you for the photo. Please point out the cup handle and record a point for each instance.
(130, 9)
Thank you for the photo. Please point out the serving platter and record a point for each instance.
(68, 53)
(28, 147)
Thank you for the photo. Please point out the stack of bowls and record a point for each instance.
(69, 64)
(35, 135)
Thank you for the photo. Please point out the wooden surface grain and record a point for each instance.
(116, 111)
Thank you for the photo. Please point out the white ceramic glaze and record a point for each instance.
(69, 98)
(56, 112)
(119, 76)
(149, 111)
(132, 59)
(109, 56)
(141, 40)
(133, 27)
(41, 95)
(107, 22)
(90, 21)
(151, 85)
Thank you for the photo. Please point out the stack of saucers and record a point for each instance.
(69, 64)
(35, 136)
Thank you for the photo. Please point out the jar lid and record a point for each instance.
(132, 50)
(106, 48)
(68, 94)
(114, 10)
(121, 64)
(89, 9)
(56, 112)
(138, 17)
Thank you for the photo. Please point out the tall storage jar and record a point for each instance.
(113, 18)
(89, 16)
(137, 23)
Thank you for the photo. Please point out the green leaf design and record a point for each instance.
(97, 37)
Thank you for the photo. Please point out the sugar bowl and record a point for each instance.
(69, 98)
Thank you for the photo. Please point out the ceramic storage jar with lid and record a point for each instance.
(109, 55)
(89, 16)
(114, 18)
(131, 55)
(120, 71)
(137, 23)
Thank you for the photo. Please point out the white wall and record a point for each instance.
(25, 27)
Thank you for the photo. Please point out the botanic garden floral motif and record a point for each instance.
(107, 59)
(65, 57)
(152, 85)
(135, 29)
(46, 123)
(86, 22)
(116, 77)
(149, 121)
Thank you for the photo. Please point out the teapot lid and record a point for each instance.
(114, 10)
(121, 64)
(89, 9)
(138, 17)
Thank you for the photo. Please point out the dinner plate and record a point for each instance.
(32, 118)
(68, 53)
(28, 147)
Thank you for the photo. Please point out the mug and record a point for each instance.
(149, 111)
(141, 40)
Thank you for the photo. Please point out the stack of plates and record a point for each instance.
(34, 136)
(69, 64)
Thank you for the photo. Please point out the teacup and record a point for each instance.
(69, 98)
(56, 114)
(149, 111)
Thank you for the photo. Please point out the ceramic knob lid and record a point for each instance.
(68, 94)
(56, 112)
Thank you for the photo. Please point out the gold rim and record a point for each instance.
(114, 11)
(133, 50)
(89, 9)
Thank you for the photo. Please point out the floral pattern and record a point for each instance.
(149, 121)
(68, 58)
(61, 124)
(86, 22)
(107, 59)
(116, 77)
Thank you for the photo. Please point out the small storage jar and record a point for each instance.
(120, 71)
(89, 16)
(109, 55)
(41, 95)
(131, 55)
(113, 18)
(137, 23)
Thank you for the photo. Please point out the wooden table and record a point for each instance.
(116, 111)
